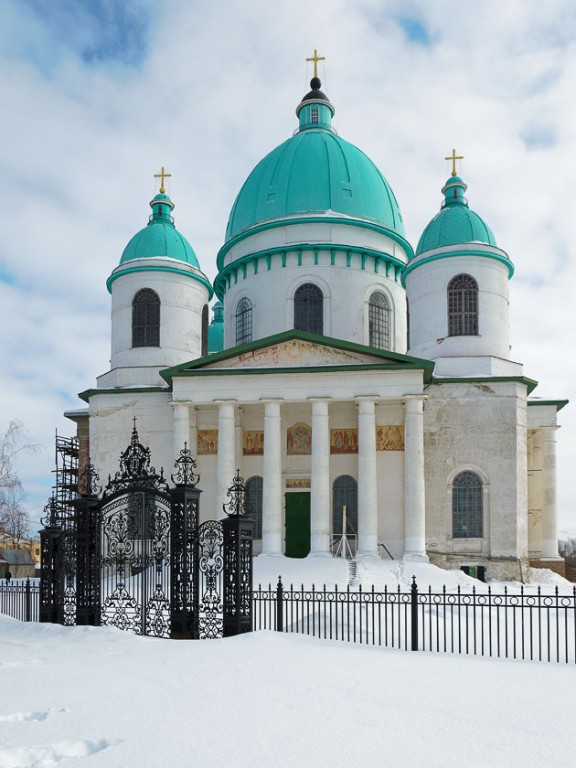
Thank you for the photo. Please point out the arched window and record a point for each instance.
(379, 321)
(243, 321)
(254, 487)
(345, 493)
(146, 319)
(467, 506)
(463, 306)
(204, 349)
(309, 309)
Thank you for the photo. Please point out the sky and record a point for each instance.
(97, 96)
(114, 699)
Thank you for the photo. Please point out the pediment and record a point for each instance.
(295, 353)
(299, 351)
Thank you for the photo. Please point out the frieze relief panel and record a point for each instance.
(207, 442)
(390, 437)
(253, 443)
(295, 353)
(343, 441)
(297, 482)
(299, 440)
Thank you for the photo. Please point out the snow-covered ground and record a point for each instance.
(85, 696)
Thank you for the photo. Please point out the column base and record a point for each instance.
(272, 544)
(415, 557)
(368, 546)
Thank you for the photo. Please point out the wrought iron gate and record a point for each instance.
(135, 557)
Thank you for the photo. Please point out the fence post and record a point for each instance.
(27, 602)
(280, 606)
(414, 613)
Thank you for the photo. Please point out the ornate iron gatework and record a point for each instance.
(238, 535)
(211, 566)
(185, 508)
(135, 556)
(135, 545)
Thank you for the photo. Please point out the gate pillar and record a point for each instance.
(51, 574)
(86, 509)
(238, 536)
(184, 574)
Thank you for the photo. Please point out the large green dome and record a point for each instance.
(456, 223)
(315, 172)
(160, 237)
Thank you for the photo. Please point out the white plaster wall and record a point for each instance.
(181, 301)
(481, 427)
(322, 233)
(426, 289)
(346, 292)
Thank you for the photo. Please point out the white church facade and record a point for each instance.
(350, 379)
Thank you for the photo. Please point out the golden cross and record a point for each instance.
(162, 175)
(454, 157)
(316, 59)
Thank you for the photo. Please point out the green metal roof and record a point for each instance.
(456, 223)
(315, 171)
(216, 330)
(160, 237)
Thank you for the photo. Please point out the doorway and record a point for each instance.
(297, 506)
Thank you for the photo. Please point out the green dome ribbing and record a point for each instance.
(160, 237)
(315, 172)
(456, 223)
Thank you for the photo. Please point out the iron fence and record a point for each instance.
(513, 623)
(21, 600)
(516, 624)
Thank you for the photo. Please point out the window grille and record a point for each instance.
(345, 492)
(309, 309)
(467, 506)
(314, 115)
(463, 306)
(379, 321)
(146, 319)
(254, 488)
(244, 321)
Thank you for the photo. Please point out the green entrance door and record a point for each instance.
(297, 524)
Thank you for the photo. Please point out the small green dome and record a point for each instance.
(160, 237)
(216, 329)
(315, 171)
(456, 223)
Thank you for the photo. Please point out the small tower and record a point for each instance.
(159, 302)
(457, 290)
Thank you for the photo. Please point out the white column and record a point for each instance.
(367, 484)
(549, 511)
(320, 480)
(226, 467)
(181, 427)
(272, 538)
(414, 486)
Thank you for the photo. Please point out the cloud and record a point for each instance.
(97, 31)
(98, 96)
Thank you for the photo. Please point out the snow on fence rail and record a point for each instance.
(517, 624)
(512, 623)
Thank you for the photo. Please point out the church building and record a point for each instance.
(354, 381)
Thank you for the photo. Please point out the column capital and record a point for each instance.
(187, 403)
(274, 400)
(319, 399)
(229, 401)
